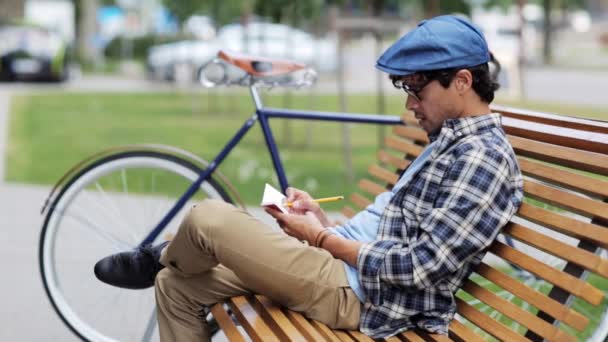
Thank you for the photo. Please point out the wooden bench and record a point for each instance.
(543, 288)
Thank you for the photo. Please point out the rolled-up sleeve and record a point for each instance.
(474, 200)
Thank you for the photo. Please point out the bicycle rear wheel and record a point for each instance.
(107, 207)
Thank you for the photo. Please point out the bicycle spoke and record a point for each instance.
(123, 177)
(153, 215)
(116, 209)
(90, 197)
(150, 327)
(103, 302)
(113, 222)
(147, 215)
(100, 231)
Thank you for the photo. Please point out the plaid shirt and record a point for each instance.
(437, 228)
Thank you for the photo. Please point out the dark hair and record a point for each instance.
(484, 78)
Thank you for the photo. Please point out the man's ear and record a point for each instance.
(463, 81)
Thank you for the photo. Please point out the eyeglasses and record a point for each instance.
(427, 77)
(413, 91)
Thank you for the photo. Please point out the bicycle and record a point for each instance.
(108, 179)
(136, 215)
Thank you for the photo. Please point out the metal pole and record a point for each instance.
(380, 100)
(346, 146)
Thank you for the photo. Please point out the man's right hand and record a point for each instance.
(303, 202)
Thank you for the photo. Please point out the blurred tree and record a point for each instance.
(278, 9)
(183, 9)
(547, 29)
(226, 11)
(86, 26)
(436, 7)
(504, 4)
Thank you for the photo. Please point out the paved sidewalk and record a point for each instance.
(4, 105)
(25, 313)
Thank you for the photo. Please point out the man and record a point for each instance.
(392, 267)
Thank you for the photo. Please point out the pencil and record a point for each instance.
(321, 200)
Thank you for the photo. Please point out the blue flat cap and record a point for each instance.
(439, 43)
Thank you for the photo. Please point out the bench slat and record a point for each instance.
(553, 119)
(581, 257)
(255, 326)
(464, 333)
(304, 326)
(517, 314)
(359, 201)
(563, 280)
(348, 211)
(226, 323)
(327, 333)
(410, 119)
(387, 158)
(565, 225)
(383, 174)
(570, 157)
(276, 319)
(360, 336)
(411, 132)
(435, 337)
(568, 179)
(371, 188)
(573, 138)
(486, 323)
(410, 336)
(343, 336)
(403, 146)
(534, 297)
(560, 198)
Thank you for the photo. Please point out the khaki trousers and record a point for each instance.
(220, 251)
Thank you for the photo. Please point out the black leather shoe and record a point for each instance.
(131, 270)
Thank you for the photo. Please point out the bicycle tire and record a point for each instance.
(75, 308)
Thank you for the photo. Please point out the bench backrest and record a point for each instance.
(539, 280)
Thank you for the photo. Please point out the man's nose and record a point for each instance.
(411, 103)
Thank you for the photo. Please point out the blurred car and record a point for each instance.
(280, 41)
(184, 60)
(30, 52)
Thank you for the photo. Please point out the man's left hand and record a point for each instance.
(303, 227)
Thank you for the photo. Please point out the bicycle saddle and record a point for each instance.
(260, 66)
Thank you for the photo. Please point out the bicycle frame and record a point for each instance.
(263, 115)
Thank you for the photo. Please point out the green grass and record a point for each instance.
(51, 132)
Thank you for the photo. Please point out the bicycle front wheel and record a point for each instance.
(108, 207)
